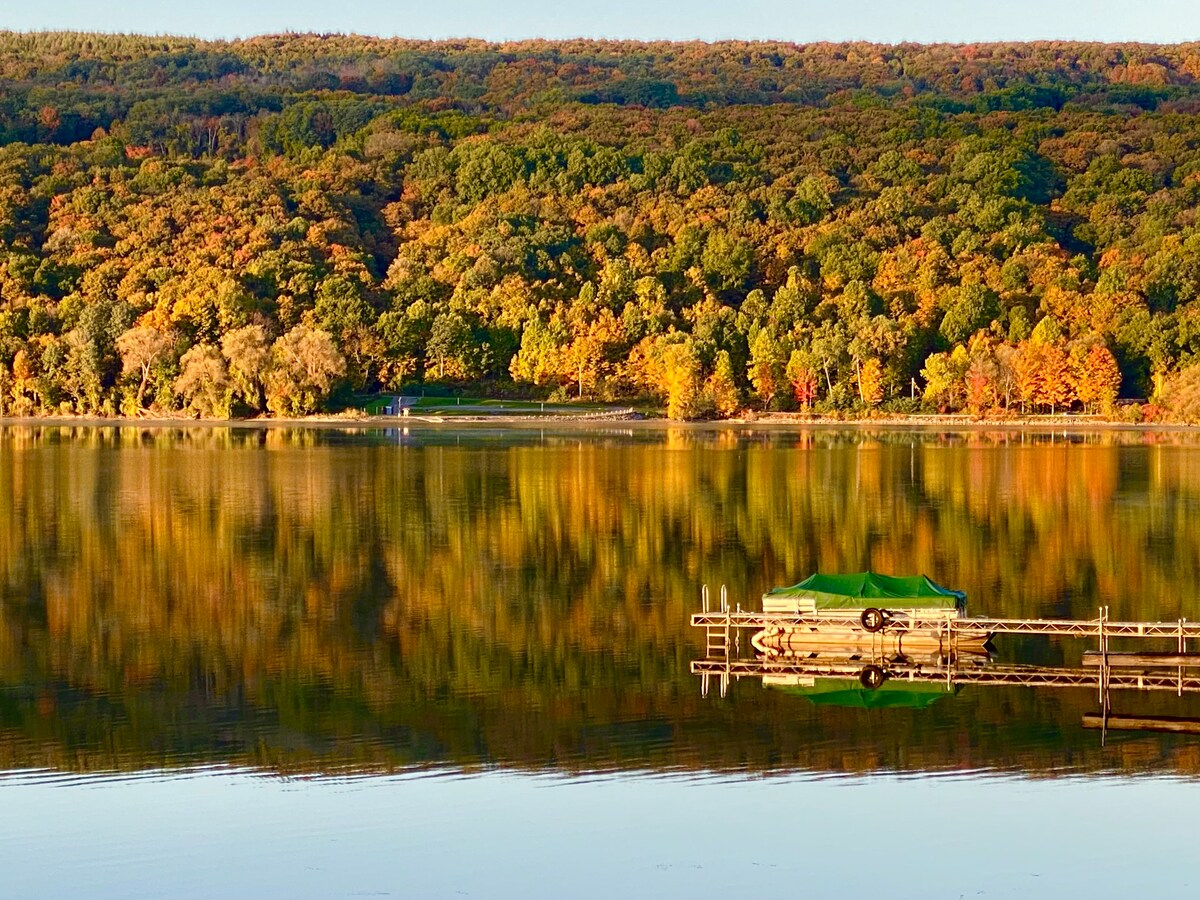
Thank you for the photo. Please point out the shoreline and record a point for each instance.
(585, 422)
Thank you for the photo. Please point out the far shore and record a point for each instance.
(601, 420)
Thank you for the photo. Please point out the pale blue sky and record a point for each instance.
(793, 20)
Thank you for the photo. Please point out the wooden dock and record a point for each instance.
(1103, 669)
(913, 620)
(724, 624)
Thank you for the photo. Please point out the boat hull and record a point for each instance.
(792, 641)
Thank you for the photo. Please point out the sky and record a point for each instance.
(887, 21)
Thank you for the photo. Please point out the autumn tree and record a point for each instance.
(142, 348)
(204, 382)
(667, 366)
(945, 375)
(1181, 395)
(248, 354)
(1097, 378)
(585, 359)
(767, 364)
(721, 387)
(802, 378)
(305, 364)
(1005, 356)
(1028, 374)
(1057, 382)
(681, 371)
(870, 382)
(22, 383)
(980, 383)
(460, 237)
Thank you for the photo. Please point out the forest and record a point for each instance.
(288, 224)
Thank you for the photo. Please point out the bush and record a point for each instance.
(1131, 413)
(1181, 396)
(902, 406)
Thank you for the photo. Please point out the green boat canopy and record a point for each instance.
(859, 590)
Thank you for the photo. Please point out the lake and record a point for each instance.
(437, 662)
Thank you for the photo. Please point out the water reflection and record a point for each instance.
(851, 678)
(325, 600)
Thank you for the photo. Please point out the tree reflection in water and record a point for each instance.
(308, 600)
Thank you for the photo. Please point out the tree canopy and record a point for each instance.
(818, 226)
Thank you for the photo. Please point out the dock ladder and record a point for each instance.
(720, 637)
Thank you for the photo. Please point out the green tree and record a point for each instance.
(828, 348)
(537, 360)
(341, 306)
(405, 335)
(968, 308)
(450, 344)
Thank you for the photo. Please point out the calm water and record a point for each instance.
(437, 663)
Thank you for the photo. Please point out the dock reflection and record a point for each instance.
(840, 664)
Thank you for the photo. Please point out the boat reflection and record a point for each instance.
(910, 669)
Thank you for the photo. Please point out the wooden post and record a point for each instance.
(1179, 683)
(725, 607)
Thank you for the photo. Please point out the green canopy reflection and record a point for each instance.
(849, 692)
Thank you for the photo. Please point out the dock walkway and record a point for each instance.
(912, 620)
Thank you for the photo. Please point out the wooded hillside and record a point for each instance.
(279, 223)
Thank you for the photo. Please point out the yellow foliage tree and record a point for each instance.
(682, 376)
(870, 382)
(721, 387)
